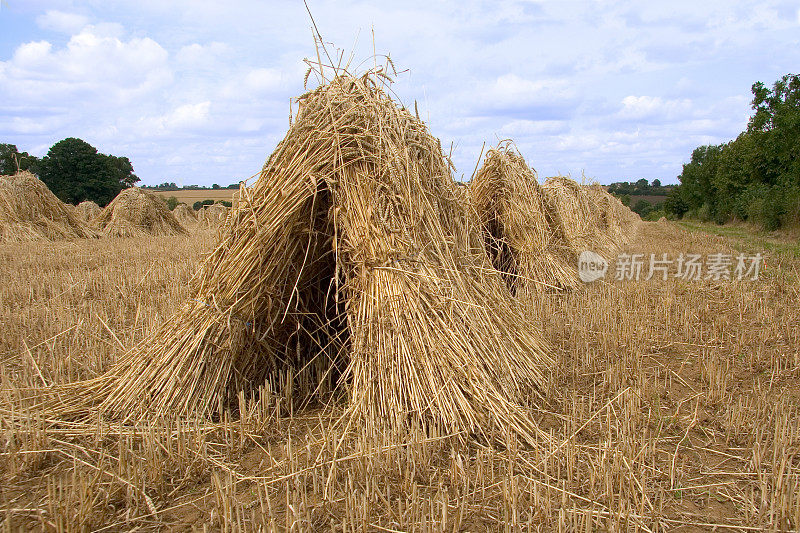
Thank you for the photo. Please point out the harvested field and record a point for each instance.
(677, 413)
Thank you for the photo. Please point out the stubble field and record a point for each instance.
(676, 409)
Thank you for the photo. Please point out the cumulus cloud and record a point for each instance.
(91, 68)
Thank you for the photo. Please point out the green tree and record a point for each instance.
(674, 203)
(735, 172)
(656, 182)
(12, 159)
(775, 125)
(75, 171)
(757, 175)
(122, 168)
(642, 208)
(198, 205)
(697, 178)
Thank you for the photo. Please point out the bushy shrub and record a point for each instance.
(197, 206)
(642, 208)
(766, 207)
(791, 200)
(704, 213)
(172, 202)
(657, 214)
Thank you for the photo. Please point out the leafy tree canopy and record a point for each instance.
(755, 176)
(775, 126)
(12, 159)
(75, 171)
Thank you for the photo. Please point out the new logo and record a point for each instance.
(591, 266)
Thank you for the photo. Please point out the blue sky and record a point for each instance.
(197, 91)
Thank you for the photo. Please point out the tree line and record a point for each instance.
(755, 177)
(73, 170)
(639, 188)
(172, 186)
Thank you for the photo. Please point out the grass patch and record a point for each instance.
(748, 239)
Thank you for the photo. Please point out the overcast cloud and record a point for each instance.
(197, 91)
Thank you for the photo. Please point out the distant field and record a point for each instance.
(655, 200)
(190, 196)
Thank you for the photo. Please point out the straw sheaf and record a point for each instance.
(523, 233)
(615, 218)
(29, 211)
(88, 211)
(212, 216)
(350, 262)
(579, 214)
(134, 213)
(185, 215)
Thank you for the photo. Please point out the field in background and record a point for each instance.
(190, 196)
(678, 412)
(649, 198)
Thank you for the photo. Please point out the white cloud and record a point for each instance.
(511, 89)
(62, 22)
(644, 107)
(31, 55)
(262, 80)
(187, 116)
(91, 68)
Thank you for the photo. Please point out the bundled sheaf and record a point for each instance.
(614, 218)
(185, 215)
(212, 216)
(579, 215)
(29, 211)
(350, 263)
(522, 231)
(136, 213)
(88, 211)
